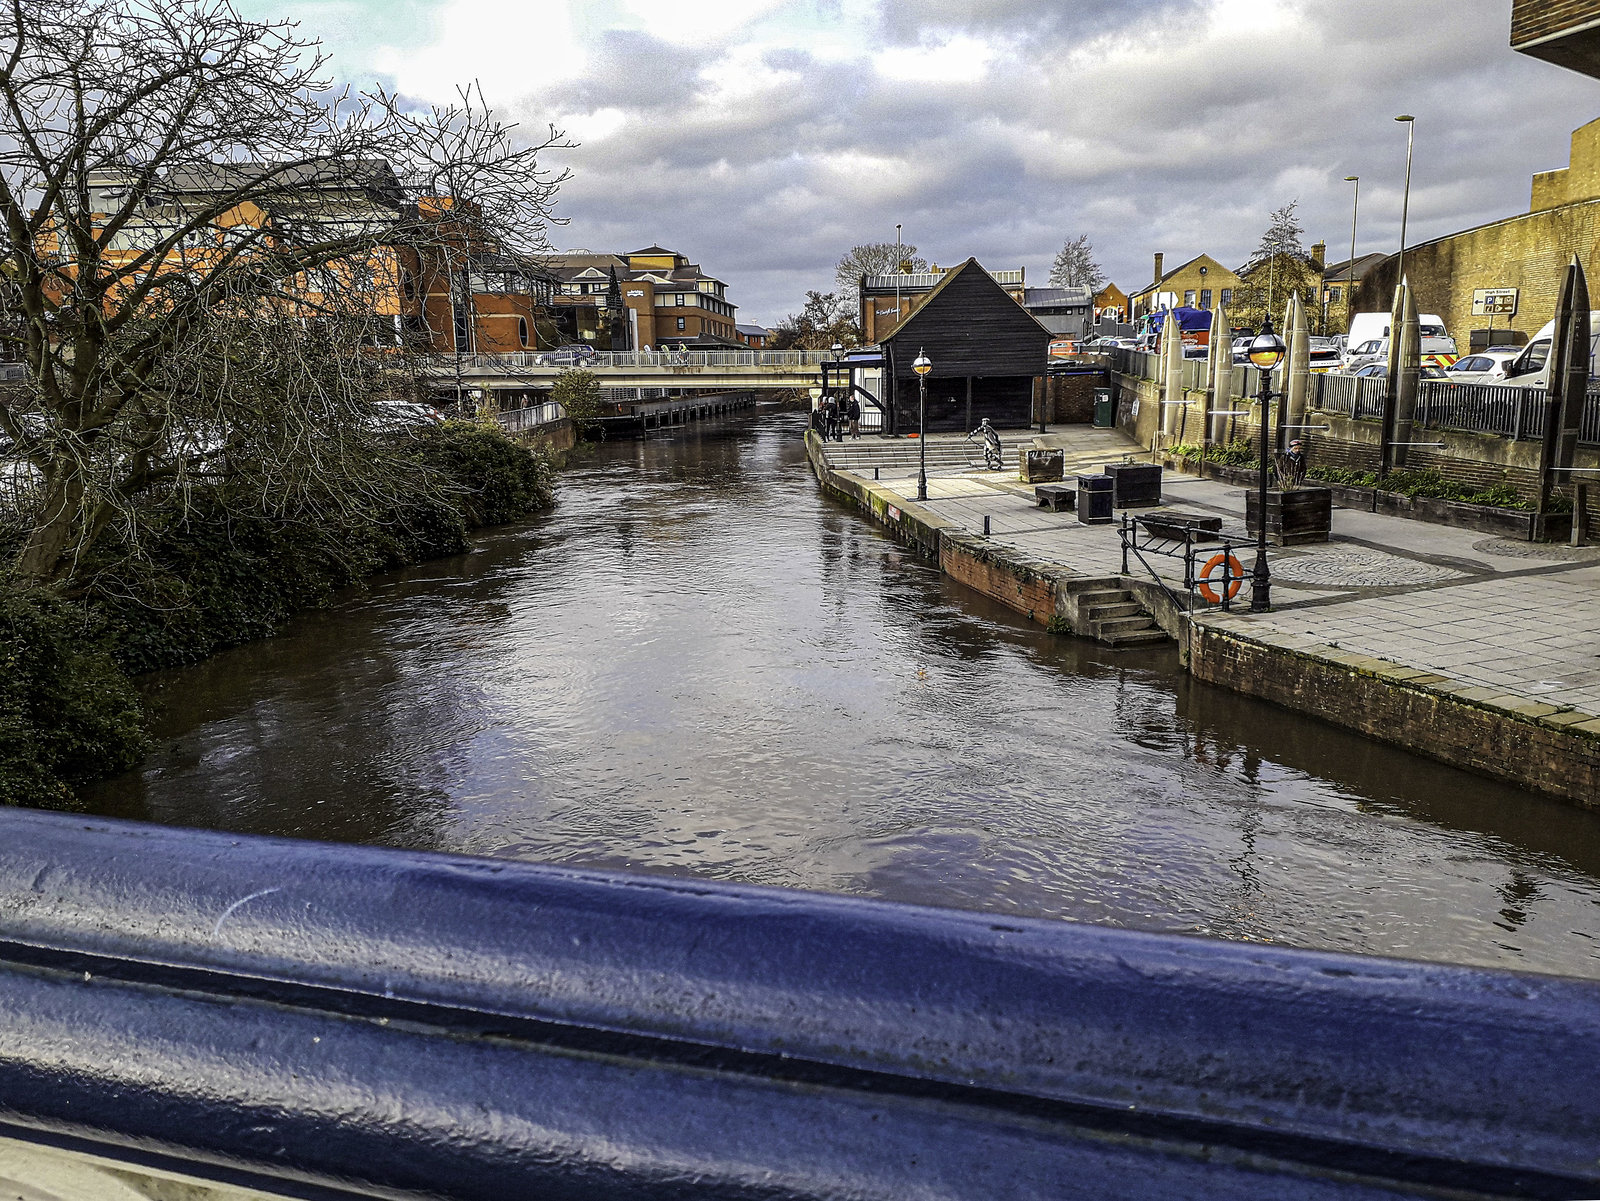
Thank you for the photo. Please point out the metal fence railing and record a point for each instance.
(1515, 413)
(515, 421)
(1347, 394)
(1481, 408)
(664, 358)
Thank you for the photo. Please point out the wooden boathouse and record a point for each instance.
(986, 351)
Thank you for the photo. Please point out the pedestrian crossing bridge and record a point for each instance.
(693, 369)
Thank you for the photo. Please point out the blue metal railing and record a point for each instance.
(367, 1022)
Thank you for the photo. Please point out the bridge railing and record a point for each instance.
(663, 360)
(374, 1022)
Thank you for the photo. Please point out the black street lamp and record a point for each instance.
(1266, 352)
(922, 365)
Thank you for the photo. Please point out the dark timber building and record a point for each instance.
(985, 348)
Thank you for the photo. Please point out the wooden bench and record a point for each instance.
(1173, 527)
(1056, 496)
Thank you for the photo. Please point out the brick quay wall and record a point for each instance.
(1530, 745)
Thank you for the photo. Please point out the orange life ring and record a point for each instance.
(1235, 577)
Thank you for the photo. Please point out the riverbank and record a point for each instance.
(1475, 651)
(223, 571)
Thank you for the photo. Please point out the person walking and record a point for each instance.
(852, 410)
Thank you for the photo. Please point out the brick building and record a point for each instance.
(1199, 283)
(1528, 252)
(884, 300)
(1111, 303)
(666, 298)
(1565, 32)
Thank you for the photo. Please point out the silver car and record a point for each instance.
(1482, 367)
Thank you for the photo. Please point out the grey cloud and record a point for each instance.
(631, 70)
(907, 22)
(1182, 151)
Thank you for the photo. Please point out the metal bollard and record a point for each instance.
(985, 525)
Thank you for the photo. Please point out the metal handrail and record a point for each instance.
(663, 359)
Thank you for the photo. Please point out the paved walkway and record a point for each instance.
(1508, 623)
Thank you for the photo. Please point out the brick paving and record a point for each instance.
(1514, 625)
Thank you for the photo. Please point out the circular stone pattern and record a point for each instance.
(1548, 551)
(1359, 569)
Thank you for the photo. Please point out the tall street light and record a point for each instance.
(922, 365)
(1350, 273)
(899, 257)
(1405, 203)
(1266, 352)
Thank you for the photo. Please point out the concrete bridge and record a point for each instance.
(659, 370)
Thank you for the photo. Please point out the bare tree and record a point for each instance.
(1075, 267)
(1279, 266)
(875, 258)
(827, 318)
(206, 257)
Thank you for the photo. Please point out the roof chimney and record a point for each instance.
(1319, 255)
(1159, 257)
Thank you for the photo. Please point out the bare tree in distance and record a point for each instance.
(827, 317)
(1075, 267)
(1282, 234)
(184, 315)
(1279, 266)
(875, 258)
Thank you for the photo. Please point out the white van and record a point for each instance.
(1369, 328)
(1531, 368)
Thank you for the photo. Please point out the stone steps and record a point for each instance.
(1113, 616)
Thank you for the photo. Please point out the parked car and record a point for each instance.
(1381, 371)
(1437, 351)
(1370, 327)
(1484, 367)
(578, 354)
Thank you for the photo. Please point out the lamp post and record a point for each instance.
(899, 257)
(922, 365)
(1350, 272)
(1266, 352)
(837, 350)
(1410, 123)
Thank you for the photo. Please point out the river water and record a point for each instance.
(697, 664)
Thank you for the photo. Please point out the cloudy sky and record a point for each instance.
(764, 138)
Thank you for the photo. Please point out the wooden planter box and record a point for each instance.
(1298, 516)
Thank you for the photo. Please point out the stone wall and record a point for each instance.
(1400, 706)
(1002, 575)
(1529, 252)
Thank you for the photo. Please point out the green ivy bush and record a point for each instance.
(1235, 454)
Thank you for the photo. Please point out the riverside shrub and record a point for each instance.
(67, 712)
(219, 575)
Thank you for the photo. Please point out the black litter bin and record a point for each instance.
(1136, 484)
(1094, 499)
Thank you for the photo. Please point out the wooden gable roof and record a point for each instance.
(970, 325)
